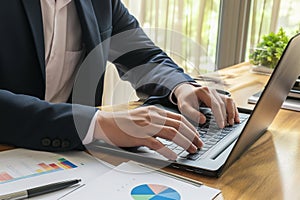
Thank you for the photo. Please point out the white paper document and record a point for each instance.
(130, 181)
(22, 169)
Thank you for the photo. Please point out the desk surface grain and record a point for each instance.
(270, 168)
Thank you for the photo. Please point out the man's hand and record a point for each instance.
(141, 126)
(190, 97)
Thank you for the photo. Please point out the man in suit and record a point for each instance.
(46, 43)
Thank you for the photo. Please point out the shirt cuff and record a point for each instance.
(172, 96)
(90, 134)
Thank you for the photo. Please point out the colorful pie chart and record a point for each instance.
(154, 192)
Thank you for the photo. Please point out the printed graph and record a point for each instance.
(154, 192)
(32, 167)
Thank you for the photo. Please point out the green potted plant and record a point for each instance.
(268, 52)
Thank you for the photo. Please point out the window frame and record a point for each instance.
(233, 32)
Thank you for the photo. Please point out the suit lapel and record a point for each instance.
(89, 24)
(94, 64)
(34, 15)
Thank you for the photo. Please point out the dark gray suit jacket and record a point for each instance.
(26, 120)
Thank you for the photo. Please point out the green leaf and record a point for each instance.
(270, 49)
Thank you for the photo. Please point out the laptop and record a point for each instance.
(230, 146)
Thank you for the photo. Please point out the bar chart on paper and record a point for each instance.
(32, 166)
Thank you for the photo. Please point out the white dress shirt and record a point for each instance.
(63, 47)
(63, 51)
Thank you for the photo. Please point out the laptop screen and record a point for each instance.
(274, 94)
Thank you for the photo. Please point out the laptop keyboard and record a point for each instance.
(209, 133)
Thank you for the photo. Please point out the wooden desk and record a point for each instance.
(270, 169)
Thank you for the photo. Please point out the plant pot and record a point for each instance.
(262, 69)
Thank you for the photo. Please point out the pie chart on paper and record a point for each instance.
(154, 192)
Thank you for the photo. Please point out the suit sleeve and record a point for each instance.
(29, 122)
(150, 70)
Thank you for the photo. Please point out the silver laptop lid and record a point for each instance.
(274, 94)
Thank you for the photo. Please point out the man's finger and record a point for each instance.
(193, 114)
(218, 113)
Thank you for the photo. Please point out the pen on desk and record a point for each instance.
(39, 190)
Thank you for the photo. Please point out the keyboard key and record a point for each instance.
(193, 156)
(209, 133)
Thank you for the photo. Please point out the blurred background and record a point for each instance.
(205, 35)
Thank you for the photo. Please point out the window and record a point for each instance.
(269, 16)
(189, 30)
(186, 29)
